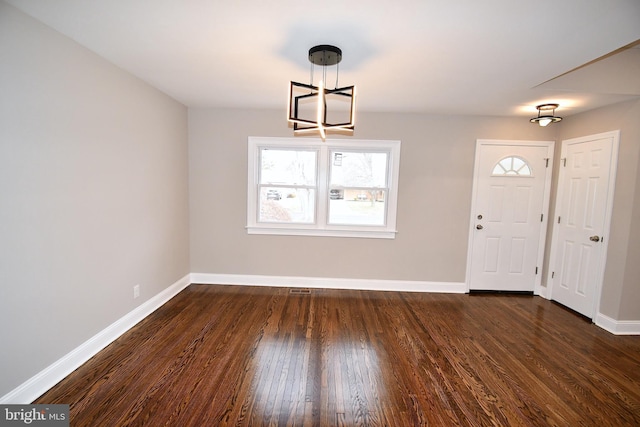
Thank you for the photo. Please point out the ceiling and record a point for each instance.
(491, 57)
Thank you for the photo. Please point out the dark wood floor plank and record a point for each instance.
(228, 355)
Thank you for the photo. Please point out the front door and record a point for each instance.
(585, 192)
(508, 222)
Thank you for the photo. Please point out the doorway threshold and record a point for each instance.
(490, 292)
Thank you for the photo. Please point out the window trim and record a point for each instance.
(323, 167)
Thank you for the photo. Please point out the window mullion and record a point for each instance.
(323, 186)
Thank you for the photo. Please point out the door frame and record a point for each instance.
(550, 145)
(613, 172)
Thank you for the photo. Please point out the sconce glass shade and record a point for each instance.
(546, 119)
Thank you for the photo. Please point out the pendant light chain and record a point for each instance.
(312, 68)
(324, 67)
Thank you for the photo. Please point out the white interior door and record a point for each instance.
(508, 223)
(585, 194)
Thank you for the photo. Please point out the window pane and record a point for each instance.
(287, 204)
(517, 163)
(293, 167)
(512, 166)
(358, 207)
(357, 169)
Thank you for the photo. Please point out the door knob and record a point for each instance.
(479, 227)
(594, 238)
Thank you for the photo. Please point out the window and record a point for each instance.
(512, 166)
(333, 188)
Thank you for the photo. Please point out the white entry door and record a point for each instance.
(581, 223)
(508, 220)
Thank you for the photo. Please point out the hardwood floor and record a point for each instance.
(225, 355)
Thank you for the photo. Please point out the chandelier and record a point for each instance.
(317, 108)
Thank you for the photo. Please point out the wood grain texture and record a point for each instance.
(230, 355)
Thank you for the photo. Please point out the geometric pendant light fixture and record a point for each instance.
(316, 108)
(546, 115)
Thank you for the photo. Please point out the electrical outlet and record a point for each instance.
(136, 291)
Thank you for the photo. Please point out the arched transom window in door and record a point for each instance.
(512, 166)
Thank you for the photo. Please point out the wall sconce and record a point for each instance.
(317, 108)
(545, 119)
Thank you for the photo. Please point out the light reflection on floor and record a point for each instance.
(297, 377)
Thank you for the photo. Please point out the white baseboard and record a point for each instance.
(618, 327)
(34, 387)
(329, 283)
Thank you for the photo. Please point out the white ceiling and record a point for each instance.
(490, 57)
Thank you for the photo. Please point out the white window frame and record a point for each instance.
(321, 226)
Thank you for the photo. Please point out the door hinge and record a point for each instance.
(558, 220)
(541, 217)
(536, 270)
(564, 161)
(546, 160)
(553, 273)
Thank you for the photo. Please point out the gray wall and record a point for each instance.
(621, 288)
(94, 195)
(436, 169)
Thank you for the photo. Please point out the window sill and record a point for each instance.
(364, 234)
